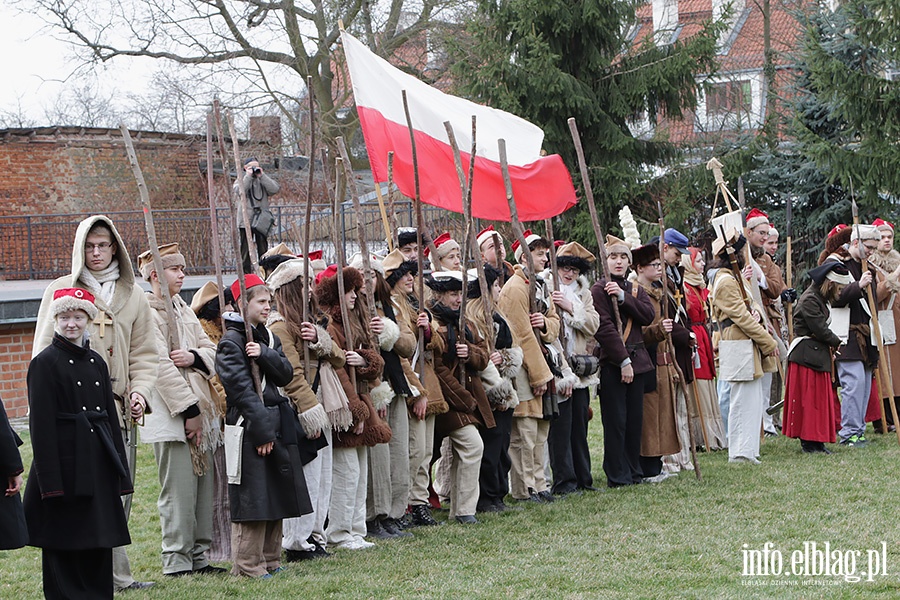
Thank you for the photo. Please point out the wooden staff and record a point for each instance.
(368, 271)
(670, 347)
(420, 250)
(595, 221)
(308, 217)
(789, 310)
(339, 193)
(554, 274)
(213, 216)
(466, 201)
(392, 213)
(498, 257)
(384, 217)
(884, 379)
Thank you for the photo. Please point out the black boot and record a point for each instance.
(421, 516)
(376, 531)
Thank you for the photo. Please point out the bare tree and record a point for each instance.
(268, 47)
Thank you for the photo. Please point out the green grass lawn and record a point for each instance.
(677, 539)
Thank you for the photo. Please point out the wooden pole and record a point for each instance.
(789, 310)
(213, 213)
(554, 274)
(174, 338)
(392, 213)
(308, 217)
(339, 193)
(245, 206)
(595, 221)
(670, 346)
(420, 250)
(388, 236)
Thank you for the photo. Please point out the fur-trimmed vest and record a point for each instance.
(428, 381)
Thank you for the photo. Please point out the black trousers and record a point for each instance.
(493, 479)
(81, 574)
(262, 246)
(651, 466)
(622, 411)
(570, 457)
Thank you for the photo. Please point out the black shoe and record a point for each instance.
(808, 447)
(466, 520)
(405, 522)
(485, 506)
(210, 570)
(565, 491)
(546, 497)
(138, 585)
(174, 574)
(588, 488)
(376, 531)
(390, 525)
(300, 555)
(421, 516)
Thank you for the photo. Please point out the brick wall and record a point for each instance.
(15, 354)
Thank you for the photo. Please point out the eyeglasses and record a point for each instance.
(102, 247)
(568, 269)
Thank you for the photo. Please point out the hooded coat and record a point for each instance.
(178, 389)
(72, 498)
(272, 487)
(128, 343)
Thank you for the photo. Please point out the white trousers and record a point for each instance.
(347, 510)
(745, 418)
(298, 530)
(421, 447)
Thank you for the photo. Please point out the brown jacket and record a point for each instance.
(428, 381)
(636, 309)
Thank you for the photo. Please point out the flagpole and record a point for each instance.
(308, 217)
(420, 249)
(339, 192)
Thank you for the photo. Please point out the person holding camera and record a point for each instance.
(257, 187)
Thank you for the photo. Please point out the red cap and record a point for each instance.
(559, 243)
(882, 223)
(250, 280)
(837, 229)
(77, 293)
(331, 271)
(441, 239)
(525, 234)
(315, 255)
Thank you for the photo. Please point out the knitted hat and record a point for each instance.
(486, 234)
(865, 232)
(575, 255)
(446, 281)
(250, 280)
(756, 218)
(883, 225)
(644, 255)
(491, 274)
(530, 238)
(287, 272)
(356, 261)
(67, 299)
(170, 257)
(396, 266)
(614, 244)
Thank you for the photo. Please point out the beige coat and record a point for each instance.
(515, 305)
(429, 382)
(583, 320)
(177, 389)
(727, 303)
(885, 264)
(128, 343)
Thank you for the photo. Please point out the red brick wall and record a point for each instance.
(15, 354)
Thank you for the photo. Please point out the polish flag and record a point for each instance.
(542, 186)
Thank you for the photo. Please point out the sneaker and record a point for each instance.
(853, 440)
(656, 478)
(421, 516)
(863, 440)
(391, 526)
(405, 522)
(375, 530)
(486, 506)
(355, 544)
(277, 570)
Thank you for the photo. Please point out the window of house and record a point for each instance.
(729, 97)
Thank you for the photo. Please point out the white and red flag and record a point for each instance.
(541, 184)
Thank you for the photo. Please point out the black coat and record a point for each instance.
(636, 308)
(811, 321)
(272, 487)
(79, 472)
(13, 533)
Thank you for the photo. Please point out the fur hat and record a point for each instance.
(614, 244)
(864, 232)
(486, 234)
(883, 225)
(67, 299)
(530, 238)
(327, 285)
(575, 255)
(170, 257)
(287, 272)
(251, 280)
(756, 217)
(447, 281)
(356, 261)
(644, 255)
(269, 261)
(491, 274)
(408, 235)
(396, 266)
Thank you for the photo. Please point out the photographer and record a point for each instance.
(257, 187)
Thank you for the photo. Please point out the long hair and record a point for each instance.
(831, 290)
(382, 289)
(723, 261)
(289, 302)
(359, 320)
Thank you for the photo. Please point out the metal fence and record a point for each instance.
(40, 246)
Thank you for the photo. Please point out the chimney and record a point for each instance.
(265, 139)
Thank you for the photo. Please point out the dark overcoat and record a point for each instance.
(13, 533)
(79, 472)
(272, 487)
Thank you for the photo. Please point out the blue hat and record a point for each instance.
(673, 237)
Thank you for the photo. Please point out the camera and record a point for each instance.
(257, 171)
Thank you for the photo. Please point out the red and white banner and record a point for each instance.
(542, 186)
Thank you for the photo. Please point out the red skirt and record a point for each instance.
(809, 402)
(873, 408)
